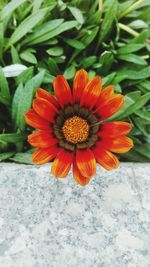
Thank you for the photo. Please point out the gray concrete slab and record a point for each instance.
(45, 222)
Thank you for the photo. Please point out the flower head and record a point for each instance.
(72, 128)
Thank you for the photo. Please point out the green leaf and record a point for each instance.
(15, 55)
(29, 57)
(4, 89)
(75, 44)
(55, 51)
(89, 61)
(144, 150)
(12, 137)
(143, 114)
(53, 67)
(132, 58)
(42, 33)
(77, 14)
(70, 72)
(134, 156)
(25, 76)
(108, 20)
(22, 158)
(26, 25)
(55, 32)
(129, 48)
(128, 109)
(1, 39)
(90, 36)
(6, 155)
(23, 99)
(10, 7)
(136, 75)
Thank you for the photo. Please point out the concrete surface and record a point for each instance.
(45, 222)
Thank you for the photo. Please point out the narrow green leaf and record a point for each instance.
(6, 155)
(90, 36)
(55, 51)
(41, 34)
(36, 5)
(14, 55)
(88, 61)
(22, 158)
(25, 99)
(15, 102)
(25, 76)
(132, 58)
(4, 89)
(1, 39)
(108, 20)
(10, 7)
(29, 57)
(26, 25)
(129, 48)
(77, 14)
(75, 44)
(51, 34)
(144, 150)
(70, 72)
(134, 156)
(130, 109)
(12, 137)
(143, 114)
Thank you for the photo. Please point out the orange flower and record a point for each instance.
(72, 128)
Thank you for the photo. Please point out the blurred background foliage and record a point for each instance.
(109, 38)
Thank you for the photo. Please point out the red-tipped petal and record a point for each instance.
(105, 158)
(44, 94)
(42, 139)
(86, 162)
(79, 83)
(120, 144)
(45, 109)
(62, 164)
(62, 91)
(110, 107)
(114, 129)
(44, 155)
(34, 120)
(91, 92)
(79, 178)
(106, 93)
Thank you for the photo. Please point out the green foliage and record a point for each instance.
(110, 38)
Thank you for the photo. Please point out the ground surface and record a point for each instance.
(45, 222)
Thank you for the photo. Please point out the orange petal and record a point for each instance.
(120, 144)
(80, 179)
(86, 162)
(114, 129)
(42, 139)
(62, 91)
(79, 83)
(91, 92)
(34, 120)
(62, 164)
(110, 107)
(44, 94)
(106, 93)
(44, 155)
(105, 158)
(45, 109)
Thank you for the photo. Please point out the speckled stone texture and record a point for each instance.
(45, 222)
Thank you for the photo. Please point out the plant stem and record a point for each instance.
(130, 8)
(128, 29)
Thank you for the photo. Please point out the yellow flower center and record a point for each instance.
(75, 130)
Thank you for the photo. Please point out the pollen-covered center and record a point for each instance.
(75, 130)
